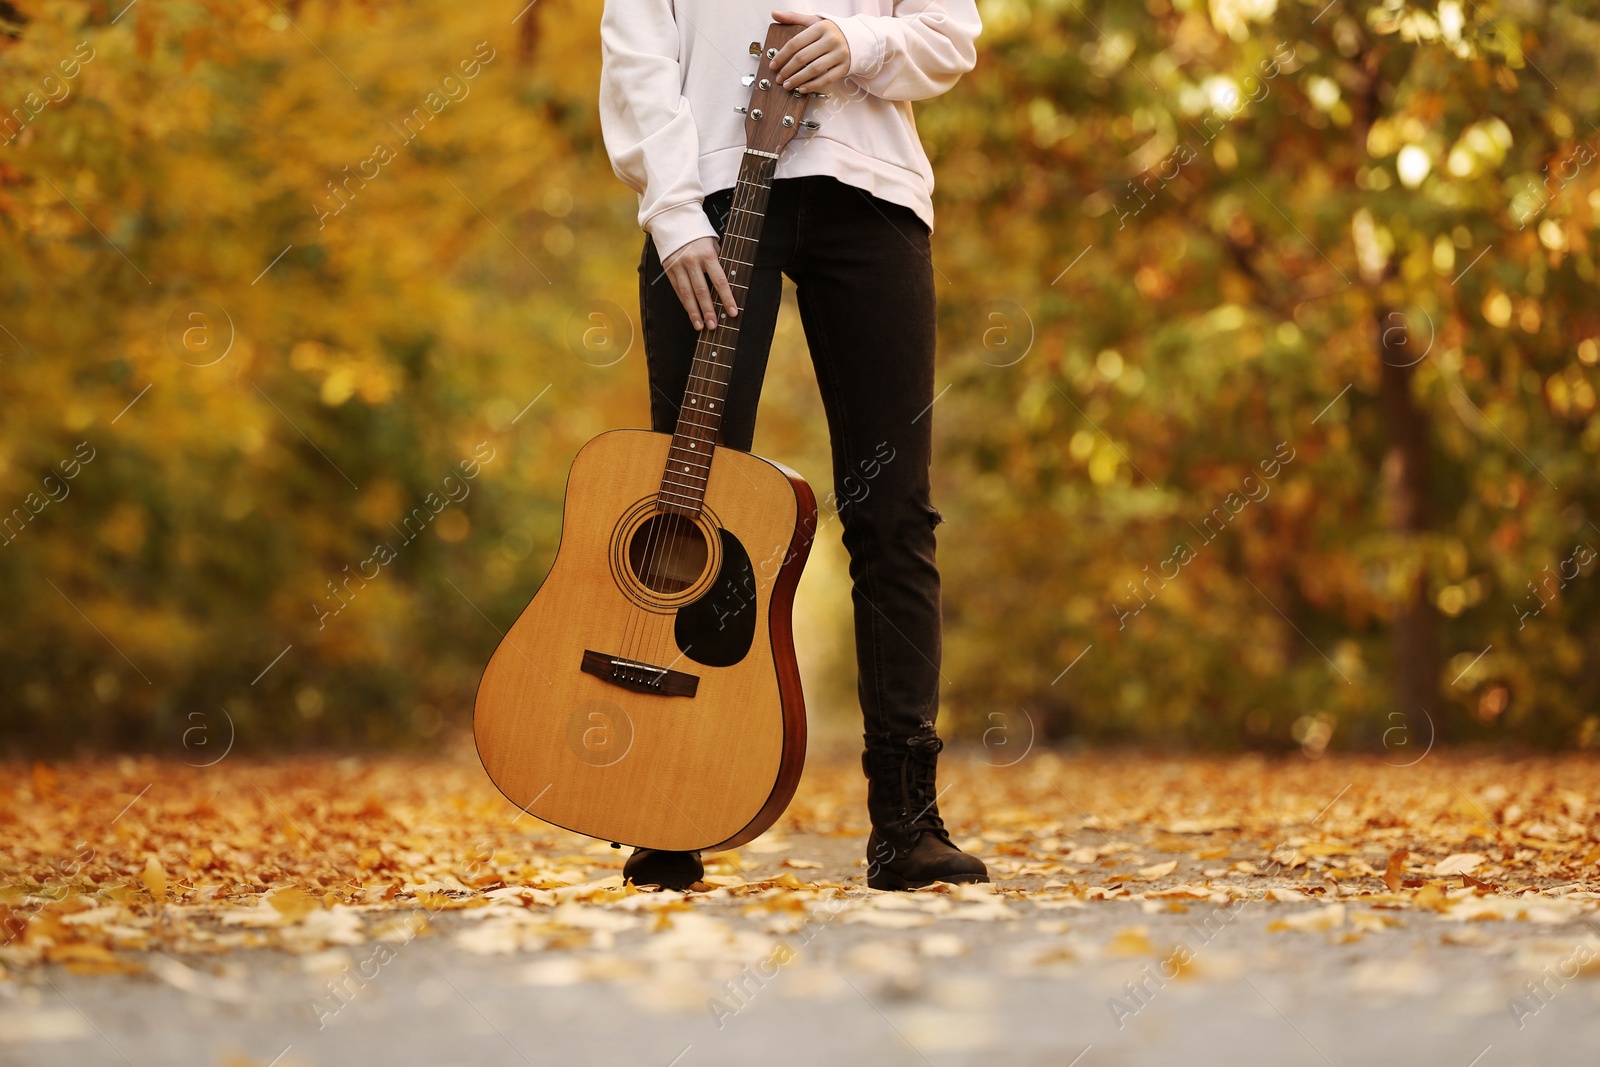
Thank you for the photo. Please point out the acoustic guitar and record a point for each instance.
(648, 695)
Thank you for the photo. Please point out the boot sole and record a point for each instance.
(889, 881)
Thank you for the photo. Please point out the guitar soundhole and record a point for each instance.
(668, 553)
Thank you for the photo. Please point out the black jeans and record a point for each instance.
(864, 280)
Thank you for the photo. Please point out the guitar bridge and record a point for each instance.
(638, 676)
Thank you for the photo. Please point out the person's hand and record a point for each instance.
(690, 269)
(814, 58)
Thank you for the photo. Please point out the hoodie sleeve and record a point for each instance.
(646, 121)
(918, 52)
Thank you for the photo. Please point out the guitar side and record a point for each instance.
(708, 760)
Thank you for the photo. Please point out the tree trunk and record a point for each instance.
(1405, 470)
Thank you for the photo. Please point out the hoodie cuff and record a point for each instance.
(868, 49)
(675, 227)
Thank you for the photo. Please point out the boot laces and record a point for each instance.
(917, 785)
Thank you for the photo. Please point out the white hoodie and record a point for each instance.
(672, 73)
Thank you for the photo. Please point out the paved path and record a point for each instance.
(986, 981)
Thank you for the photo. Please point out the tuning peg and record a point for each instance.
(819, 96)
(748, 79)
(808, 124)
(742, 110)
(755, 48)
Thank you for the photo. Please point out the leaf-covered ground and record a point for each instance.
(327, 910)
(104, 861)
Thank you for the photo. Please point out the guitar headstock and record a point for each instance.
(775, 113)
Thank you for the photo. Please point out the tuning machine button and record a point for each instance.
(748, 79)
(808, 124)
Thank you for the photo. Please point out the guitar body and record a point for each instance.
(648, 695)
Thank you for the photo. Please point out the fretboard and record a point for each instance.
(683, 483)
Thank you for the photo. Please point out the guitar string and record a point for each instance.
(744, 229)
(747, 215)
(636, 636)
(645, 637)
(737, 230)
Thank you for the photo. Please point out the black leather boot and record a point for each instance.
(669, 870)
(909, 847)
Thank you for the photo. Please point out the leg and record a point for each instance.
(865, 286)
(864, 280)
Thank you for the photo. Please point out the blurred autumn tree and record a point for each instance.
(1269, 329)
(1360, 230)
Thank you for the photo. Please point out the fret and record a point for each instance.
(688, 465)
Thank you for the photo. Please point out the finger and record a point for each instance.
(724, 290)
(680, 285)
(702, 293)
(825, 52)
(795, 18)
(801, 49)
(833, 77)
(811, 73)
(685, 291)
(789, 55)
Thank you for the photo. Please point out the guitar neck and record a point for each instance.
(683, 483)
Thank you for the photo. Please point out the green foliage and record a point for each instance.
(1153, 288)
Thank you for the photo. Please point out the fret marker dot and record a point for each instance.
(686, 468)
(692, 400)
